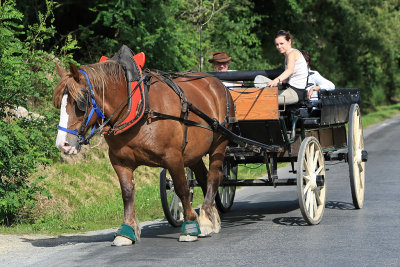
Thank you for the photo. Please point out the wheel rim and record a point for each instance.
(226, 194)
(311, 194)
(356, 165)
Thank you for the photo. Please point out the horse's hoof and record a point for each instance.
(187, 238)
(206, 226)
(205, 234)
(120, 241)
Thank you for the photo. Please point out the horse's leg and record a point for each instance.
(200, 171)
(209, 219)
(175, 167)
(124, 235)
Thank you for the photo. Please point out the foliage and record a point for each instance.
(12, 70)
(19, 156)
(26, 79)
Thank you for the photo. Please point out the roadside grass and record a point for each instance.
(86, 195)
(381, 113)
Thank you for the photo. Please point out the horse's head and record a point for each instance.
(72, 96)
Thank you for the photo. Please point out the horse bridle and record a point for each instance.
(89, 98)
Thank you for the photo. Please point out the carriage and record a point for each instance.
(195, 116)
(304, 135)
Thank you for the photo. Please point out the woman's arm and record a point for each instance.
(288, 72)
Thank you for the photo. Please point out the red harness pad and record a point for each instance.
(136, 104)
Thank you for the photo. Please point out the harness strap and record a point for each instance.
(100, 128)
(154, 114)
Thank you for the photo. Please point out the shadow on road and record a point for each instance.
(244, 213)
(338, 205)
(69, 240)
(153, 230)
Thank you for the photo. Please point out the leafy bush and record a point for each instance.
(19, 156)
(26, 76)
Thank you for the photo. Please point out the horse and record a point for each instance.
(153, 141)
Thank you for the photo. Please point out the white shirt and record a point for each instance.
(316, 79)
(298, 78)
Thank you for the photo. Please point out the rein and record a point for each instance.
(212, 124)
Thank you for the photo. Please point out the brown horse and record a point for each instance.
(157, 142)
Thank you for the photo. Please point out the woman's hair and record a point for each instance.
(285, 34)
(306, 56)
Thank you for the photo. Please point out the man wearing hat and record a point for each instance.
(220, 61)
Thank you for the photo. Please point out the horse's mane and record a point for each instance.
(98, 74)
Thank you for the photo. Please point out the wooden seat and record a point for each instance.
(256, 103)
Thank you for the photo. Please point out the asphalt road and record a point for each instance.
(264, 227)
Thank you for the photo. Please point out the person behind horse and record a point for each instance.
(315, 79)
(294, 77)
(220, 61)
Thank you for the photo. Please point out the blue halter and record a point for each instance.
(82, 138)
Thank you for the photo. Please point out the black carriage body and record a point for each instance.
(325, 119)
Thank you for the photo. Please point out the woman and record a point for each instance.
(295, 74)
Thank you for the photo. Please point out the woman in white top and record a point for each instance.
(315, 80)
(296, 71)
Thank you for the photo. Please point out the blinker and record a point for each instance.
(82, 102)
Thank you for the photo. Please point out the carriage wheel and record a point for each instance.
(226, 194)
(311, 186)
(355, 143)
(171, 204)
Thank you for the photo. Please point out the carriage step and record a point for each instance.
(266, 182)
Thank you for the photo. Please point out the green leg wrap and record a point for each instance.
(190, 228)
(126, 231)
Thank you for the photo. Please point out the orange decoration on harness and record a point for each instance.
(137, 102)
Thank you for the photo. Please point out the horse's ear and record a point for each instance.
(60, 70)
(74, 71)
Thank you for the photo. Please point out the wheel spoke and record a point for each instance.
(307, 153)
(171, 191)
(225, 196)
(315, 204)
(316, 156)
(311, 203)
(317, 197)
(360, 167)
(174, 207)
(173, 203)
(307, 187)
(312, 152)
(318, 171)
(307, 167)
(361, 181)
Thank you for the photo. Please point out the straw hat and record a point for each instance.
(220, 57)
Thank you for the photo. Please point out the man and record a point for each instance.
(220, 61)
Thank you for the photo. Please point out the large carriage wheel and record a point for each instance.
(226, 194)
(311, 186)
(355, 144)
(171, 204)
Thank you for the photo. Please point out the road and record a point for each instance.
(263, 228)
